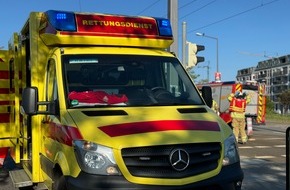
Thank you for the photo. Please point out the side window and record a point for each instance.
(173, 83)
(51, 88)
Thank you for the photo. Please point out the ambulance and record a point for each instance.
(99, 103)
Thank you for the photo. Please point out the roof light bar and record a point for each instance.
(164, 27)
(61, 20)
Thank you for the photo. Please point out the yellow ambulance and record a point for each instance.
(101, 104)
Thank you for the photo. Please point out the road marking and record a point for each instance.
(250, 147)
(276, 138)
(280, 146)
(246, 147)
(244, 157)
(264, 157)
(263, 146)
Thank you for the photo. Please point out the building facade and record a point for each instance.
(274, 72)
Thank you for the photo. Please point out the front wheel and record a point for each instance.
(59, 181)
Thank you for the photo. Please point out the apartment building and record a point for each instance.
(274, 72)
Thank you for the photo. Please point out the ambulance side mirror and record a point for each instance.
(30, 104)
(207, 95)
(29, 100)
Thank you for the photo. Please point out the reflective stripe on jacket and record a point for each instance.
(238, 105)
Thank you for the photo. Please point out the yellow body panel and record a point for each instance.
(49, 39)
(90, 130)
(5, 101)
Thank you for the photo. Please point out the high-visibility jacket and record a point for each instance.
(238, 104)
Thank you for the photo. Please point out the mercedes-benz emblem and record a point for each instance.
(179, 159)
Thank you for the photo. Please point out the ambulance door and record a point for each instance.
(50, 123)
(16, 131)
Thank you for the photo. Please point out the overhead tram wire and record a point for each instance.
(148, 7)
(187, 4)
(197, 9)
(232, 16)
(204, 6)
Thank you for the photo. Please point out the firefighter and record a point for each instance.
(238, 102)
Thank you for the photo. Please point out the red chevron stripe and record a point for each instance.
(4, 117)
(63, 134)
(155, 126)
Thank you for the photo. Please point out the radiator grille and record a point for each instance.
(156, 161)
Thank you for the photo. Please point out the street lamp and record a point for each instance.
(217, 49)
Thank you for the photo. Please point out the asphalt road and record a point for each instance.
(5, 182)
(263, 159)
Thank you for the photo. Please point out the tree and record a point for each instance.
(192, 74)
(269, 105)
(284, 99)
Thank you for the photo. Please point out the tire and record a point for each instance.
(59, 181)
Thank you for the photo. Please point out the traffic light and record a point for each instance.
(193, 49)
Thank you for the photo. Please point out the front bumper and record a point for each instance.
(230, 178)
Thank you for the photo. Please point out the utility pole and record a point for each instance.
(173, 17)
(184, 44)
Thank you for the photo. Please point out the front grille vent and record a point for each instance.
(154, 161)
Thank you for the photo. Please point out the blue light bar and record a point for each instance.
(61, 20)
(164, 27)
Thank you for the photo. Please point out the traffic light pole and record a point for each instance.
(184, 44)
(173, 17)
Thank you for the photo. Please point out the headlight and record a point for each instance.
(95, 159)
(231, 151)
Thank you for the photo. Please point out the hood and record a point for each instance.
(123, 127)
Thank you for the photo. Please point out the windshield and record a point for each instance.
(126, 80)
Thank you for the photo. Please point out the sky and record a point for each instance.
(247, 31)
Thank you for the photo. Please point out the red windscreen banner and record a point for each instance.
(118, 25)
